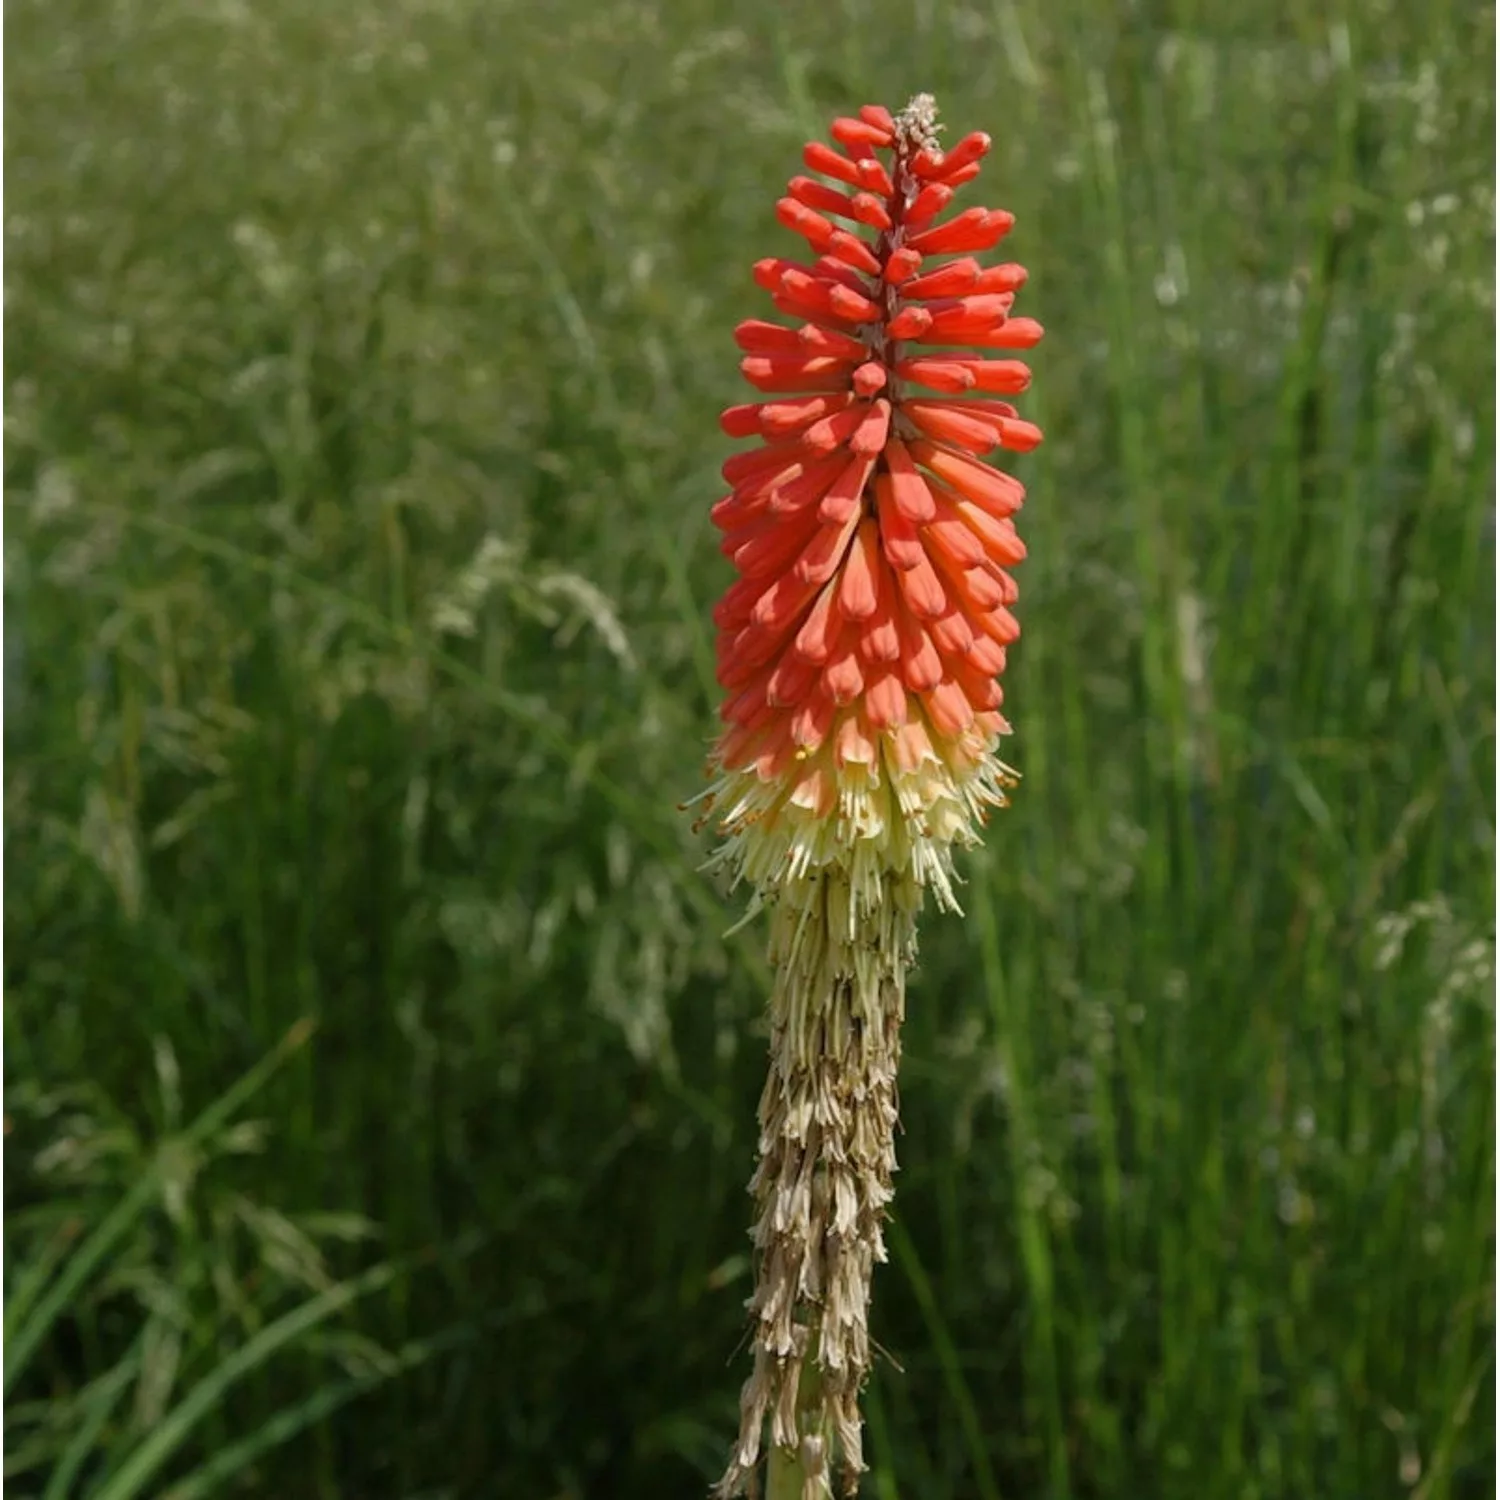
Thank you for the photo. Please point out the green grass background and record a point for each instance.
(361, 385)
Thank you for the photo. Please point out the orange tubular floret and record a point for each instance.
(921, 666)
(873, 175)
(948, 708)
(815, 480)
(817, 195)
(868, 209)
(923, 590)
(979, 591)
(995, 492)
(830, 163)
(885, 701)
(951, 540)
(998, 377)
(908, 489)
(1007, 278)
(857, 133)
(812, 226)
(881, 641)
(951, 633)
(778, 418)
(986, 656)
(843, 680)
(756, 337)
(858, 597)
(834, 430)
(1014, 333)
(898, 536)
(949, 375)
(902, 265)
(820, 630)
(740, 421)
(909, 323)
(853, 743)
(769, 373)
(792, 681)
(813, 720)
(829, 341)
(968, 150)
(952, 280)
(846, 492)
(757, 463)
(853, 252)
(974, 229)
(774, 549)
(824, 553)
(782, 605)
(870, 539)
(871, 435)
(929, 203)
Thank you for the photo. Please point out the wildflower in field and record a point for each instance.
(859, 650)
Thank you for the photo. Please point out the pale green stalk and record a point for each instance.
(802, 1473)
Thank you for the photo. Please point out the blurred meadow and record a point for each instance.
(379, 1081)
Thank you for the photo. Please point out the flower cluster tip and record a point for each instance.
(861, 645)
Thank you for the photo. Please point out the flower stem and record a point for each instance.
(802, 1473)
(787, 1479)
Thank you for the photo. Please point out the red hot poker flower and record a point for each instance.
(872, 539)
(859, 650)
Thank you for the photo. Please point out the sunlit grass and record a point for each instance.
(363, 366)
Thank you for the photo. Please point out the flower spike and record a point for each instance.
(859, 650)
